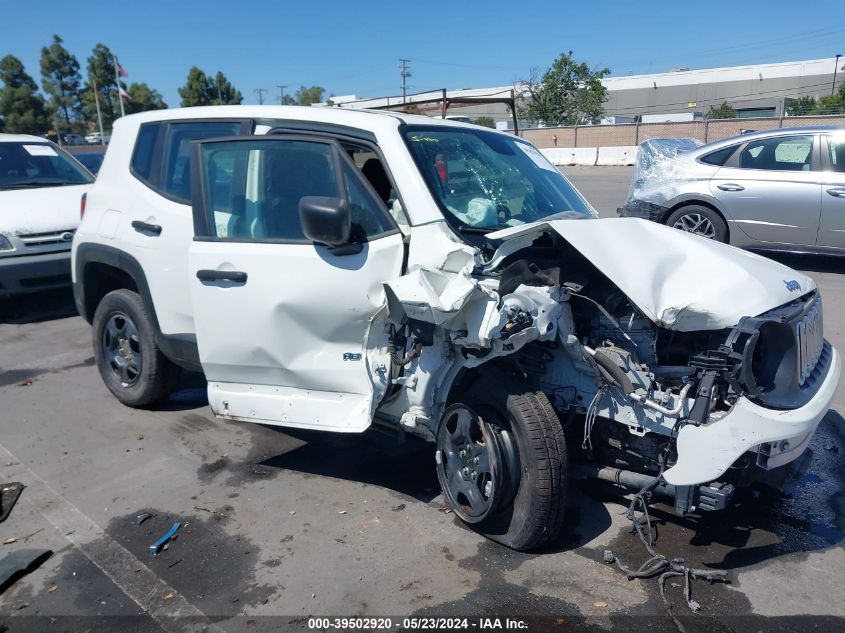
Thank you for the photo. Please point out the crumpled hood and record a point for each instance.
(680, 281)
(40, 210)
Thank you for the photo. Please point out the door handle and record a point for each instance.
(837, 192)
(730, 186)
(146, 227)
(235, 276)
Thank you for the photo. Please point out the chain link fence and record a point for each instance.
(634, 133)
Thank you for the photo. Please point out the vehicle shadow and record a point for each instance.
(38, 307)
(374, 458)
(408, 468)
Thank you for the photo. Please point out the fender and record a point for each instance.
(181, 349)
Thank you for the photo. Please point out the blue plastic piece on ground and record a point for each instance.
(155, 548)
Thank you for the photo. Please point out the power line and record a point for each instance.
(259, 93)
(719, 52)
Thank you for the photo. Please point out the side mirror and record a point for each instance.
(325, 220)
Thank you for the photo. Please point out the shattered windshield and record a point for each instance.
(489, 181)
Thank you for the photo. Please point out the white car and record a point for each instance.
(41, 187)
(331, 269)
(95, 138)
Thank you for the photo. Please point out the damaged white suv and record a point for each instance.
(332, 269)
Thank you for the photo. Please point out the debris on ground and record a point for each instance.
(10, 540)
(143, 516)
(18, 564)
(658, 565)
(168, 596)
(399, 508)
(52, 589)
(600, 604)
(26, 383)
(342, 512)
(29, 536)
(164, 542)
(9, 495)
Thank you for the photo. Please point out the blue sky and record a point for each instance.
(354, 46)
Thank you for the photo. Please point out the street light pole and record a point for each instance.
(835, 68)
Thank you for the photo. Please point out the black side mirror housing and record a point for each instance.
(325, 220)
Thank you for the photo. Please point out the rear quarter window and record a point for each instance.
(719, 157)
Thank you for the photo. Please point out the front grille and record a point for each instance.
(43, 239)
(809, 331)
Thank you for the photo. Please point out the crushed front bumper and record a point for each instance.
(778, 437)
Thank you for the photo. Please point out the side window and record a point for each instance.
(836, 147)
(142, 157)
(719, 157)
(176, 177)
(253, 189)
(368, 220)
(780, 153)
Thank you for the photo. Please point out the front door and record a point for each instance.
(832, 227)
(771, 190)
(283, 323)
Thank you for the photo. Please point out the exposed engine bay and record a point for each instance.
(627, 381)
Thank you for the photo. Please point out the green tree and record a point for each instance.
(723, 111)
(306, 96)
(143, 98)
(224, 92)
(801, 106)
(568, 93)
(197, 89)
(21, 107)
(60, 80)
(485, 121)
(201, 89)
(101, 73)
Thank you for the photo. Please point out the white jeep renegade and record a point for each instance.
(333, 269)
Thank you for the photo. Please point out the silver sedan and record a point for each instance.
(781, 190)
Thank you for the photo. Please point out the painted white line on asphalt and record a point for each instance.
(136, 580)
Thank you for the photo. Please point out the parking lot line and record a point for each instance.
(131, 575)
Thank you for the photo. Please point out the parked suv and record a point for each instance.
(331, 269)
(41, 187)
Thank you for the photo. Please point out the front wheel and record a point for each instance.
(501, 464)
(700, 220)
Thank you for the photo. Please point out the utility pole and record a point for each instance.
(835, 68)
(260, 92)
(281, 93)
(406, 72)
(219, 93)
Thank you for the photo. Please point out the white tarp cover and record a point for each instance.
(659, 168)
(679, 280)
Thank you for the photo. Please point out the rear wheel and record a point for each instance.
(129, 361)
(700, 220)
(501, 463)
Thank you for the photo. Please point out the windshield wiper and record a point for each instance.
(475, 229)
(39, 183)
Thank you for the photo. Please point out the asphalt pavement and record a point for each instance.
(279, 526)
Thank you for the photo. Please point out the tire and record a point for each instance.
(532, 512)
(130, 363)
(696, 215)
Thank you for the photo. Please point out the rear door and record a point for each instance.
(832, 226)
(285, 325)
(771, 189)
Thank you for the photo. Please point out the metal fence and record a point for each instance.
(635, 133)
